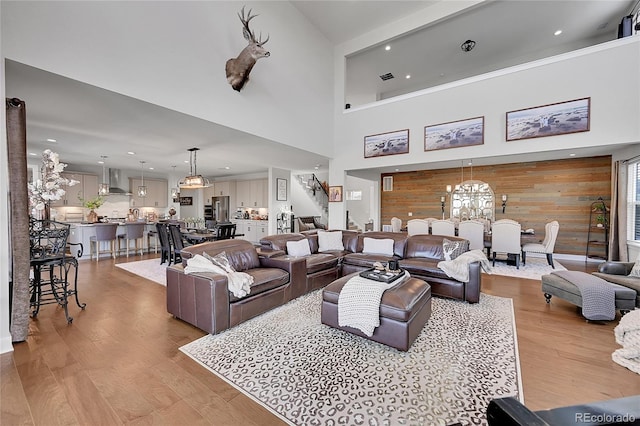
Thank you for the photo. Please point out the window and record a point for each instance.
(633, 202)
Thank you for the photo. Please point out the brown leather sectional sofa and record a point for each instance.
(204, 300)
(418, 254)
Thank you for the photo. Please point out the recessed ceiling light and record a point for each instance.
(101, 162)
(387, 47)
(186, 161)
(52, 140)
(397, 170)
(558, 32)
(131, 153)
(33, 153)
(150, 168)
(408, 76)
(572, 155)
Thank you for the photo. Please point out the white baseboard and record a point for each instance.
(570, 257)
(5, 345)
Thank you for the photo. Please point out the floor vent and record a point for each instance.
(387, 76)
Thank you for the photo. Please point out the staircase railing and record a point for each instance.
(319, 192)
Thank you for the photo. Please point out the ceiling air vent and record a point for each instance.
(387, 76)
(387, 183)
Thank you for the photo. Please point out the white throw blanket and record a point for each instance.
(238, 283)
(627, 334)
(359, 303)
(458, 268)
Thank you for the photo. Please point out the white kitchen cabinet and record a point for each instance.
(222, 189)
(243, 193)
(262, 229)
(157, 193)
(86, 188)
(252, 193)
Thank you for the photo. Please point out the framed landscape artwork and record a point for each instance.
(454, 134)
(335, 194)
(391, 143)
(549, 120)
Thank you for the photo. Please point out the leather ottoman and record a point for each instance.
(404, 310)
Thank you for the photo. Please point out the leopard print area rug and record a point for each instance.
(308, 373)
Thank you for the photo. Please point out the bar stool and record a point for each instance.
(152, 235)
(135, 232)
(104, 232)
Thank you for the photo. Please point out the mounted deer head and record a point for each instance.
(238, 69)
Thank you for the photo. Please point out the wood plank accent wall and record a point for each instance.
(538, 192)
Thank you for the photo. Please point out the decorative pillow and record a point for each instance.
(310, 225)
(298, 248)
(329, 241)
(220, 260)
(635, 271)
(378, 246)
(453, 249)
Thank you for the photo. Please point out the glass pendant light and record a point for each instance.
(194, 180)
(142, 189)
(175, 192)
(104, 186)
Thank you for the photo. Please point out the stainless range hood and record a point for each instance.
(116, 183)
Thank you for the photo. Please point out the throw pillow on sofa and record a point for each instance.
(635, 271)
(329, 241)
(220, 260)
(453, 249)
(378, 246)
(298, 248)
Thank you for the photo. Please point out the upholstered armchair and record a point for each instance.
(550, 234)
(505, 238)
(307, 223)
(396, 224)
(443, 227)
(472, 231)
(418, 227)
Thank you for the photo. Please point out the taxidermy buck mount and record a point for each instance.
(238, 69)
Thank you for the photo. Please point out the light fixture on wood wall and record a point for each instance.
(104, 186)
(142, 189)
(504, 202)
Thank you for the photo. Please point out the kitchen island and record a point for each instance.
(81, 232)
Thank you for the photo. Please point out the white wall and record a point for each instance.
(606, 73)
(173, 54)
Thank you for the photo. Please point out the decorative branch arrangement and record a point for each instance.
(49, 186)
(238, 69)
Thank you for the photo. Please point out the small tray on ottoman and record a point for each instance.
(382, 276)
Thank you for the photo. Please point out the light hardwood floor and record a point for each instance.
(118, 363)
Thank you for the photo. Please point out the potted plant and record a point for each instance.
(92, 204)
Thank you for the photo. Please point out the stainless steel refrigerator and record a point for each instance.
(220, 207)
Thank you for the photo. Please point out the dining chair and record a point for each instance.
(396, 224)
(472, 231)
(165, 242)
(505, 238)
(418, 227)
(226, 232)
(550, 234)
(443, 227)
(132, 232)
(177, 243)
(105, 232)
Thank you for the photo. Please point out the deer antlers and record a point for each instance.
(248, 34)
